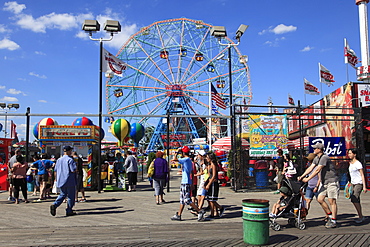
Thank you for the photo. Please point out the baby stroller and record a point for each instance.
(296, 208)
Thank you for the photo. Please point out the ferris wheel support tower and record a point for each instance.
(363, 72)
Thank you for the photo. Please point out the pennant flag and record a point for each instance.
(13, 132)
(290, 100)
(109, 119)
(217, 98)
(111, 64)
(309, 88)
(325, 76)
(350, 55)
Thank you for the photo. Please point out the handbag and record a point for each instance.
(348, 190)
(151, 169)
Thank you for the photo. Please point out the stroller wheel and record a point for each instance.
(300, 225)
(276, 227)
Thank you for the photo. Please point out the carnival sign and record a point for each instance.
(68, 133)
(334, 146)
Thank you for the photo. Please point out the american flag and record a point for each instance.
(217, 98)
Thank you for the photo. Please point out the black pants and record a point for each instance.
(20, 184)
(132, 178)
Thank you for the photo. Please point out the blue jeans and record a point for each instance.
(70, 193)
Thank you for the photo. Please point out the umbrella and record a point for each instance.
(225, 143)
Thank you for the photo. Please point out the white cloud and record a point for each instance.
(275, 42)
(3, 29)
(40, 53)
(307, 48)
(279, 29)
(9, 99)
(37, 75)
(14, 7)
(2, 87)
(13, 91)
(42, 101)
(8, 44)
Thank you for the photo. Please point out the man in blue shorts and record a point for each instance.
(186, 183)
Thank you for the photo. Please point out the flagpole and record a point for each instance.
(345, 58)
(210, 114)
(304, 91)
(320, 80)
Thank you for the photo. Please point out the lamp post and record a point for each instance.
(220, 32)
(91, 26)
(9, 106)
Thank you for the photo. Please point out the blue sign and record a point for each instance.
(334, 146)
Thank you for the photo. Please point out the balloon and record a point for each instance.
(102, 132)
(137, 132)
(120, 129)
(82, 121)
(45, 121)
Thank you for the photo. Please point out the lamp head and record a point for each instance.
(242, 28)
(2, 105)
(112, 26)
(16, 106)
(91, 26)
(218, 31)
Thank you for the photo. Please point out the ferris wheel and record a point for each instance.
(170, 65)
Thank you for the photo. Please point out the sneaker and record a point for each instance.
(222, 211)
(271, 215)
(201, 215)
(82, 200)
(330, 224)
(53, 210)
(176, 217)
(360, 220)
(71, 213)
(10, 198)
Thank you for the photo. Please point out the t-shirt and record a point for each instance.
(328, 172)
(313, 182)
(187, 166)
(65, 169)
(160, 168)
(20, 170)
(11, 162)
(354, 172)
(42, 165)
(280, 163)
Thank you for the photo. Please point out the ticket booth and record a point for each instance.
(84, 140)
(5, 148)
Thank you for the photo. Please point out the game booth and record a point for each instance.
(5, 149)
(82, 135)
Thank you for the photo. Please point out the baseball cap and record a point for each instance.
(67, 148)
(284, 190)
(201, 152)
(185, 149)
(319, 145)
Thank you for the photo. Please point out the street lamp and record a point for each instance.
(91, 26)
(9, 106)
(220, 32)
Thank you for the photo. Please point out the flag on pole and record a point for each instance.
(217, 98)
(111, 64)
(350, 55)
(290, 100)
(13, 131)
(325, 76)
(309, 88)
(214, 109)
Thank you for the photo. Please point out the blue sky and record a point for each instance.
(49, 64)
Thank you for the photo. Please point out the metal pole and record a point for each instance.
(100, 112)
(168, 149)
(6, 123)
(232, 126)
(27, 132)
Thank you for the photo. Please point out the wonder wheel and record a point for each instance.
(170, 67)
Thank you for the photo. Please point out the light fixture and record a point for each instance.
(112, 26)
(242, 28)
(2, 105)
(218, 31)
(91, 26)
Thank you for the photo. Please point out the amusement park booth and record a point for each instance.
(82, 138)
(5, 148)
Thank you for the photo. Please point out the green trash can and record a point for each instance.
(256, 221)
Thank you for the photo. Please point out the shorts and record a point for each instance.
(185, 194)
(280, 177)
(201, 191)
(330, 190)
(310, 194)
(355, 197)
(212, 193)
(43, 177)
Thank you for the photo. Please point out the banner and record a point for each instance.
(334, 146)
(111, 64)
(290, 100)
(267, 134)
(350, 55)
(309, 88)
(217, 98)
(325, 76)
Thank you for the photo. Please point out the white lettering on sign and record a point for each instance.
(62, 132)
(330, 149)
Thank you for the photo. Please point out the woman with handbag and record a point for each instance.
(19, 177)
(160, 176)
(356, 173)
